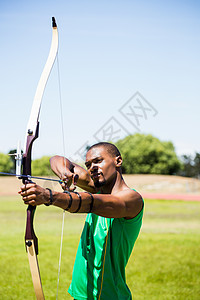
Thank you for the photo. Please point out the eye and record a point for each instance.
(88, 165)
(98, 160)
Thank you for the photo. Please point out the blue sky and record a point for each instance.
(109, 51)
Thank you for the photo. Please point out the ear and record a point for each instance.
(118, 161)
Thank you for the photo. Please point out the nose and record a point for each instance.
(94, 167)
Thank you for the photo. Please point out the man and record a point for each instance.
(112, 225)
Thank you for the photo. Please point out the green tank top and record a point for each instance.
(103, 252)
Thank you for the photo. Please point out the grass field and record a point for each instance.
(165, 263)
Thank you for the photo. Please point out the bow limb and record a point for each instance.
(35, 111)
(32, 134)
(31, 242)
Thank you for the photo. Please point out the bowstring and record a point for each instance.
(63, 142)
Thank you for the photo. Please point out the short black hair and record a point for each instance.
(110, 148)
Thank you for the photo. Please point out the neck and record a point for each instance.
(116, 185)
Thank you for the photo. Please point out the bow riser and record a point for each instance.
(31, 240)
(26, 160)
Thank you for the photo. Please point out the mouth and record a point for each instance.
(95, 176)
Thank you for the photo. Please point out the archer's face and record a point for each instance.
(101, 166)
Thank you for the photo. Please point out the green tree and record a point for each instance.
(188, 166)
(146, 154)
(6, 164)
(197, 164)
(41, 167)
(191, 165)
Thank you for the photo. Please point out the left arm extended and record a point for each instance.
(127, 203)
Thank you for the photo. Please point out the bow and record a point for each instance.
(32, 134)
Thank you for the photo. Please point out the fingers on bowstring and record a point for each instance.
(70, 185)
(69, 181)
(66, 185)
(75, 179)
(73, 184)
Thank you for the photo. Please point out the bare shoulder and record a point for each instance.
(133, 202)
